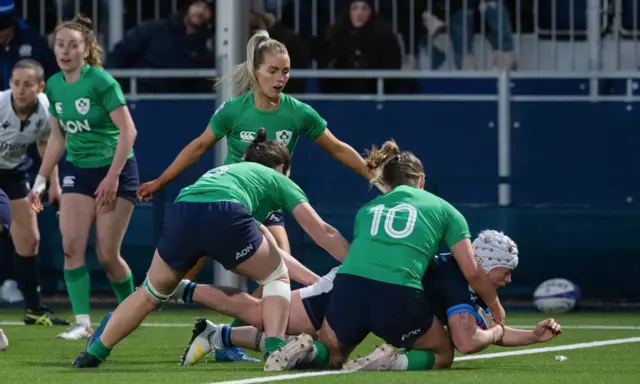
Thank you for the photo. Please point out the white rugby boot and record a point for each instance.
(382, 359)
(205, 339)
(76, 332)
(296, 351)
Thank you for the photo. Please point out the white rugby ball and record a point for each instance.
(556, 296)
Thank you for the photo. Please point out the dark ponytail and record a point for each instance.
(268, 153)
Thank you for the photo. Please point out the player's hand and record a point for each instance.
(106, 193)
(146, 190)
(54, 193)
(547, 330)
(497, 312)
(35, 201)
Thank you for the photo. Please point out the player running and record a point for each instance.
(101, 175)
(379, 287)
(223, 202)
(25, 118)
(262, 104)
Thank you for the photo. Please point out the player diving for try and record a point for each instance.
(393, 288)
(25, 117)
(223, 201)
(261, 104)
(455, 303)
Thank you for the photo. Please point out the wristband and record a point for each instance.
(39, 185)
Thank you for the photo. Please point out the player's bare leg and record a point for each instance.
(77, 213)
(160, 282)
(193, 273)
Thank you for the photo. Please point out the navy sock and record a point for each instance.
(26, 270)
(187, 296)
(226, 336)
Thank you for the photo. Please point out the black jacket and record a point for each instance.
(164, 44)
(25, 44)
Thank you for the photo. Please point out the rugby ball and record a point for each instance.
(556, 296)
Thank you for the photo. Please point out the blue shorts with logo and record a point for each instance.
(274, 219)
(448, 291)
(397, 314)
(5, 213)
(85, 181)
(14, 183)
(224, 231)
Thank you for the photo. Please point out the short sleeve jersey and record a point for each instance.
(239, 120)
(251, 184)
(82, 109)
(17, 135)
(397, 234)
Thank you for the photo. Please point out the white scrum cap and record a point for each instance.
(495, 249)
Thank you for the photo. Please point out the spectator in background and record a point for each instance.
(18, 41)
(462, 32)
(360, 39)
(298, 52)
(184, 41)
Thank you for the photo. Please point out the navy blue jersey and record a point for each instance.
(448, 291)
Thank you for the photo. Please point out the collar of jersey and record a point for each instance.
(85, 68)
(262, 111)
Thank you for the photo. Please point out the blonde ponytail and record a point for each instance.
(243, 76)
(388, 165)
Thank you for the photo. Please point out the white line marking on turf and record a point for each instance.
(593, 327)
(530, 351)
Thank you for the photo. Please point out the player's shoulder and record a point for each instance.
(233, 105)
(5, 98)
(56, 79)
(295, 104)
(99, 78)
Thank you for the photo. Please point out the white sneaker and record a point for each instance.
(287, 357)
(205, 339)
(382, 359)
(76, 332)
(10, 293)
(4, 342)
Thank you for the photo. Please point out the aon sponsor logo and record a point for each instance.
(244, 252)
(76, 126)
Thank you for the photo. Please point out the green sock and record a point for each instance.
(123, 288)
(99, 350)
(321, 358)
(272, 344)
(237, 323)
(79, 288)
(420, 360)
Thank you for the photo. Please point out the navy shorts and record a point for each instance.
(448, 291)
(14, 183)
(399, 315)
(5, 213)
(85, 181)
(316, 307)
(274, 219)
(224, 231)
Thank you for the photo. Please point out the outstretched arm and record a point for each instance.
(545, 330)
(343, 152)
(322, 233)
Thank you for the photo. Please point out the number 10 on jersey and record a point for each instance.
(378, 211)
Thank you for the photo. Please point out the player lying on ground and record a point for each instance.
(308, 306)
(455, 303)
(221, 202)
(379, 287)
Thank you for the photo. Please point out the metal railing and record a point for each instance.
(434, 34)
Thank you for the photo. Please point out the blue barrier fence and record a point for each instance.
(575, 182)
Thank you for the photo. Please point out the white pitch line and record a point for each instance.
(593, 327)
(531, 351)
